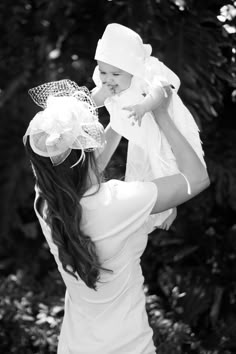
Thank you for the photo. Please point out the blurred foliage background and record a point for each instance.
(190, 270)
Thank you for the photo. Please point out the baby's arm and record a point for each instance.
(151, 101)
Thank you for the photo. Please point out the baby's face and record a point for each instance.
(116, 79)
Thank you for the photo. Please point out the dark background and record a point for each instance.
(190, 271)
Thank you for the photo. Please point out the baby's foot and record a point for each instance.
(168, 222)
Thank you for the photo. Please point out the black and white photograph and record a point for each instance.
(118, 177)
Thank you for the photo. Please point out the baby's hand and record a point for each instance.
(100, 94)
(107, 90)
(136, 112)
(168, 222)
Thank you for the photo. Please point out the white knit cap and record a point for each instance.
(123, 48)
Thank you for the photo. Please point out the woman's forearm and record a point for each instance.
(188, 162)
(98, 96)
(112, 141)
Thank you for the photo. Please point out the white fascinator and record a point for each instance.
(69, 120)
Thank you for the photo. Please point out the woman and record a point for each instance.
(97, 230)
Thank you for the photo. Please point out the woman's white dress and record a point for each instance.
(113, 319)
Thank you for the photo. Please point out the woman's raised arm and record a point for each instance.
(174, 190)
(112, 141)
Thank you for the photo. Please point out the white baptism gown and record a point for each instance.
(149, 154)
(113, 319)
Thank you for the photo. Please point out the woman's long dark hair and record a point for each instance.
(62, 188)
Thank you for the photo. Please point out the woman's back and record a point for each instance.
(115, 218)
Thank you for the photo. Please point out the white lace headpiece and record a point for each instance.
(69, 121)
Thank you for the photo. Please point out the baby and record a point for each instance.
(131, 84)
(117, 81)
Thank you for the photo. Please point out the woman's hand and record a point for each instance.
(163, 106)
